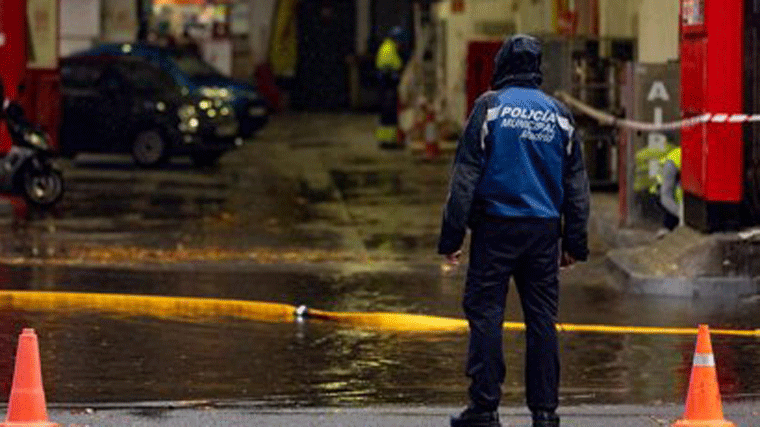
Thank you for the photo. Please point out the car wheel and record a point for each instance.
(149, 148)
(207, 158)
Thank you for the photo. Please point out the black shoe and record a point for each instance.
(472, 417)
(545, 419)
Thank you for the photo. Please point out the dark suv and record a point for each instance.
(115, 104)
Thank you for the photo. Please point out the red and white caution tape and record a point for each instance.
(608, 119)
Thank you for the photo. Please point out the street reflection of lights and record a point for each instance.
(211, 113)
(205, 104)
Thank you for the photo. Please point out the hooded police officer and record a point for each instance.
(519, 184)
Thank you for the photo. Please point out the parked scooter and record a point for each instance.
(28, 169)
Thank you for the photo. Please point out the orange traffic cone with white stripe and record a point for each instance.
(26, 407)
(703, 405)
(432, 149)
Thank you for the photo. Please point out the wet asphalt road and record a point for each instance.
(315, 183)
(94, 357)
(308, 181)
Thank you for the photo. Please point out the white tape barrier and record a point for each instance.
(608, 119)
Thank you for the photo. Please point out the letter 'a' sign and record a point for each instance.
(693, 12)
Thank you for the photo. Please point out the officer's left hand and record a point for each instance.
(566, 260)
(453, 259)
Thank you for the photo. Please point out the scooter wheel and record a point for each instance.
(42, 188)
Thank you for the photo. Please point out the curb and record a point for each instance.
(697, 287)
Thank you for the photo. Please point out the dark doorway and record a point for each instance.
(326, 37)
(387, 14)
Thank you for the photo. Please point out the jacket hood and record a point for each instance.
(518, 63)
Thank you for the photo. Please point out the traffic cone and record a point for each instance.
(26, 407)
(432, 149)
(703, 406)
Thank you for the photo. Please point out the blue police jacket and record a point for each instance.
(519, 156)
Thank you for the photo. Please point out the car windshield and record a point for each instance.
(144, 77)
(193, 66)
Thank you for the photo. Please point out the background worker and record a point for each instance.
(389, 65)
(519, 183)
(670, 190)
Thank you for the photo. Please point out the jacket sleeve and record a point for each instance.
(575, 210)
(466, 172)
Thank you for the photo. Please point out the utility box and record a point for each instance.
(713, 81)
(29, 37)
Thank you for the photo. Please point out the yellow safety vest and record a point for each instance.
(388, 58)
(674, 156)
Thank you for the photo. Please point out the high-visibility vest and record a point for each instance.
(388, 58)
(674, 156)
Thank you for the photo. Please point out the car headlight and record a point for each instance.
(188, 118)
(216, 92)
(186, 112)
(205, 104)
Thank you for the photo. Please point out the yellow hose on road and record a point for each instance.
(146, 305)
(209, 308)
(400, 322)
(403, 322)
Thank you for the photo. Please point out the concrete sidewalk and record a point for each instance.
(741, 414)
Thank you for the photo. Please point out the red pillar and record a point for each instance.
(12, 52)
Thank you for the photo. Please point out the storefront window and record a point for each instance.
(42, 18)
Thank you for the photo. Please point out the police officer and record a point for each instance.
(389, 64)
(519, 183)
(670, 190)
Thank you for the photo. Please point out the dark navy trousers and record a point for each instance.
(528, 250)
